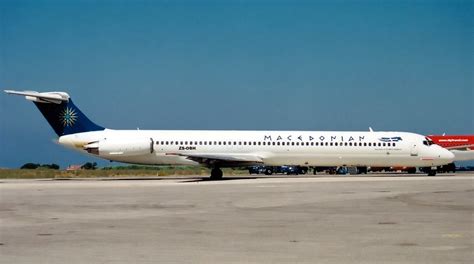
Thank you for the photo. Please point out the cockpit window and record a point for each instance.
(428, 142)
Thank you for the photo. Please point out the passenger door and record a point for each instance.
(414, 150)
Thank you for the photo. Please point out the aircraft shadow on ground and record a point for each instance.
(207, 179)
(180, 179)
(235, 178)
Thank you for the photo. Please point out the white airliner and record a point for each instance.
(218, 149)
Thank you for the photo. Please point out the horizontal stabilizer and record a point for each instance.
(47, 97)
(60, 112)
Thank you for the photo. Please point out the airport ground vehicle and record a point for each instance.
(322, 169)
(269, 170)
(219, 149)
(451, 167)
(256, 169)
(342, 170)
(467, 168)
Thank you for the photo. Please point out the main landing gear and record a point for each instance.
(431, 172)
(216, 174)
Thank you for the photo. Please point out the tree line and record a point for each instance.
(53, 166)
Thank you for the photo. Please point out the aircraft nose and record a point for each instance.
(446, 155)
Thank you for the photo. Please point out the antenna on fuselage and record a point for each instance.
(370, 129)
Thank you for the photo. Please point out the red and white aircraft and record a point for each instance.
(462, 146)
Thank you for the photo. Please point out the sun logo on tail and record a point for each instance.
(68, 117)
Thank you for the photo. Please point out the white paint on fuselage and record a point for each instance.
(410, 151)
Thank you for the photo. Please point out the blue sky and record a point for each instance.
(263, 65)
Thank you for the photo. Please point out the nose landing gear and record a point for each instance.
(216, 174)
(431, 172)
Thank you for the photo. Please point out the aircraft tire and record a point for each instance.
(268, 171)
(216, 174)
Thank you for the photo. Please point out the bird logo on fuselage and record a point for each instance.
(390, 139)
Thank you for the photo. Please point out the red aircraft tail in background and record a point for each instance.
(454, 142)
(462, 146)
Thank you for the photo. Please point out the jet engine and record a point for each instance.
(120, 147)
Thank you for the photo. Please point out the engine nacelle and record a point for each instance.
(119, 147)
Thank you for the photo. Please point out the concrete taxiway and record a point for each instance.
(340, 219)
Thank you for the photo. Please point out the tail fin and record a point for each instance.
(60, 112)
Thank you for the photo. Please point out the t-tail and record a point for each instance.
(60, 112)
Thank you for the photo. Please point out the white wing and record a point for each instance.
(223, 160)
